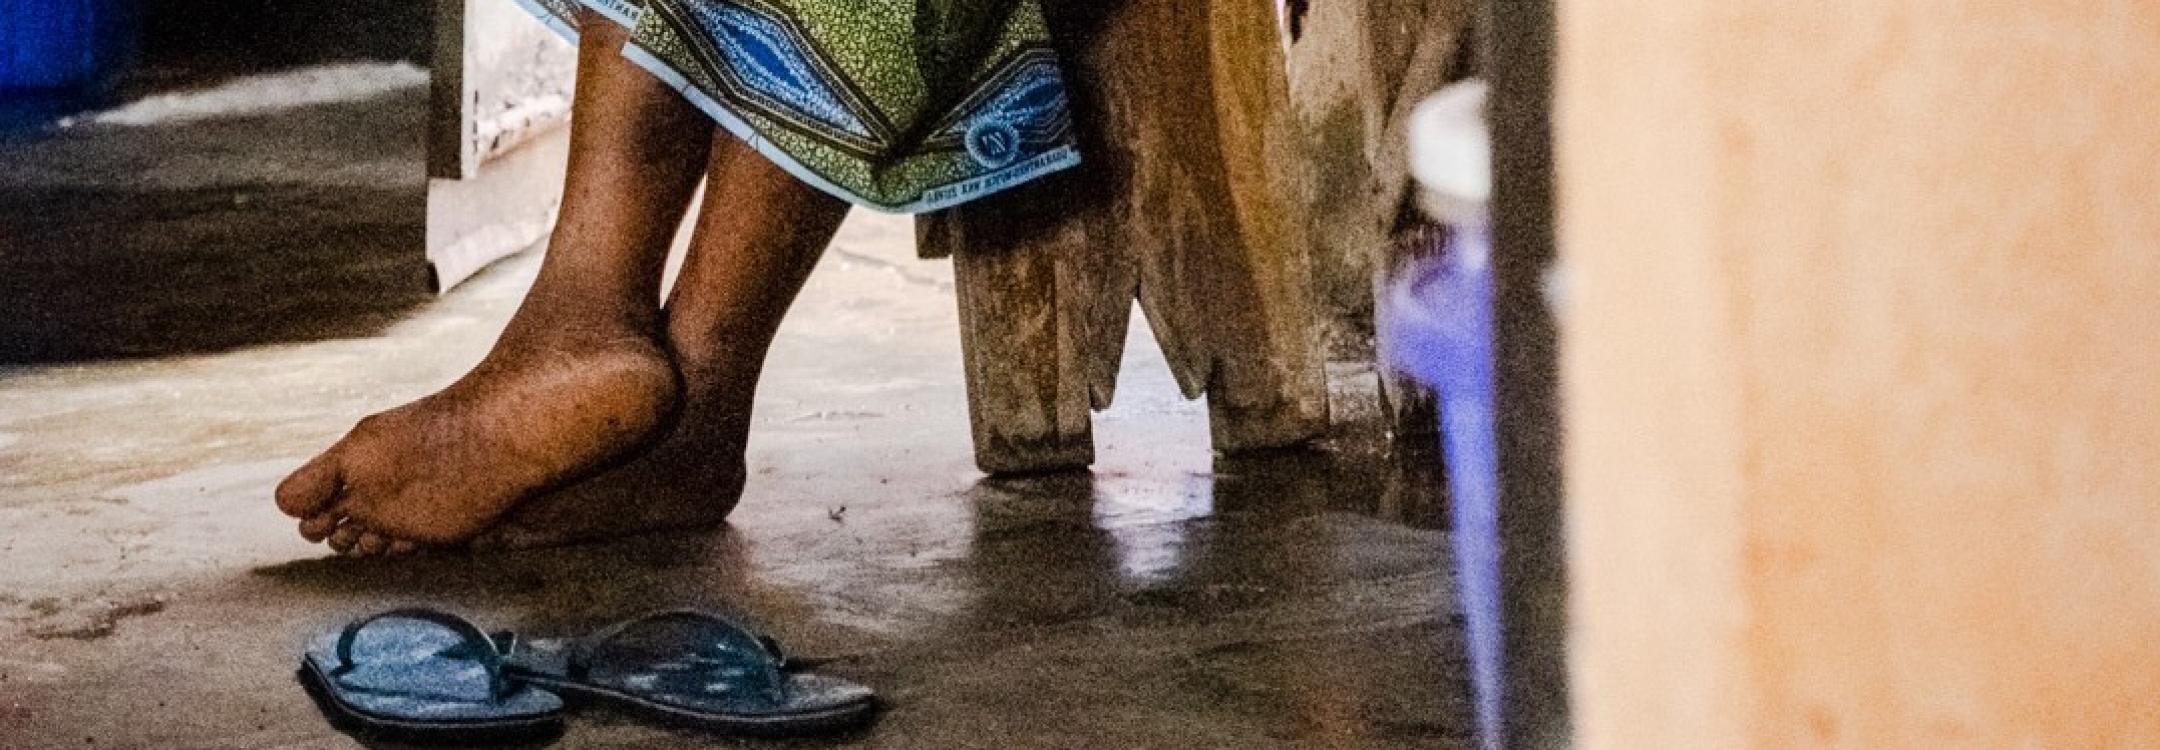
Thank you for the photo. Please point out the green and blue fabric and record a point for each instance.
(900, 105)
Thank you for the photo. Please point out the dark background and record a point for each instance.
(225, 35)
(163, 45)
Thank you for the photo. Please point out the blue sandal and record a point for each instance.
(696, 670)
(419, 675)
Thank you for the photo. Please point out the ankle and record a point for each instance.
(556, 310)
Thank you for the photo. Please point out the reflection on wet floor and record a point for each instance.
(1113, 610)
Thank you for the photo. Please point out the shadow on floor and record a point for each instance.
(103, 274)
(218, 229)
(250, 225)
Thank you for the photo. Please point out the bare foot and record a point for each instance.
(690, 480)
(757, 239)
(552, 401)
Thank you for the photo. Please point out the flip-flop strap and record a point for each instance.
(476, 641)
(767, 655)
(789, 663)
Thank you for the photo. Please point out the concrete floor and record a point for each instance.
(190, 309)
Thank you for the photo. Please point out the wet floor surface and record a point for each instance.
(150, 596)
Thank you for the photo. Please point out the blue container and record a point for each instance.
(1436, 326)
(64, 46)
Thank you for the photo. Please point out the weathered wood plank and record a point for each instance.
(1047, 275)
(1270, 390)
(1355, 71)
(1200, 196)
(500, 96)
(1039, 354)
(1192, 124)
(501, 79)
(1045, 291)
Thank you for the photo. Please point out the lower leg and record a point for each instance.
(758, 236)
(750, 258)
(637, 150)
(579, 374)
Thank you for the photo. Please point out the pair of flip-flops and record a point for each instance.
(422, 675)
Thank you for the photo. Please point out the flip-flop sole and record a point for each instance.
(348, 717)
(826, 721)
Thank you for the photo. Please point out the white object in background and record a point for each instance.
(1451, 159)
(1451, 154)
(1436, 324)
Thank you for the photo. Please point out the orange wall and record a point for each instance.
(1862, 365)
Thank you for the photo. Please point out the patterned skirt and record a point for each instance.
(900, 105)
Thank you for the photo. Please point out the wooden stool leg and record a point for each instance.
(1182, 201)
(1042, 325)
(1219, 215)
(1263, 167)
